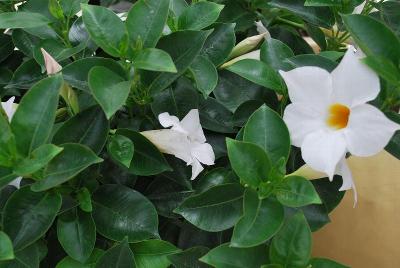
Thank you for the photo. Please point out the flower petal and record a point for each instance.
(191, 124)
(353, 82)
(52, 66)
(311, 85)
(343, 170)
(9, 107)
(196, 169)
(368, 130)
(301, 120)
(203, 152)
(323, 149)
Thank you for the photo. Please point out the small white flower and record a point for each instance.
(52, 66)
(329, 117)
(10, 107)
(185, 140)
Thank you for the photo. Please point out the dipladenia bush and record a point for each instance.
(172, 133)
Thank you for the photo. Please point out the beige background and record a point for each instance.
(367, 236)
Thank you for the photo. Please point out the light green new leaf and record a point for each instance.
(37, 159)
(154, 59)
(121, 149)
(145, 22)
(297, 191)
(249, 161)
(199, 15)
(21, 19)
(69, 163)
(6, 247)
(261, 219)
(109, 89)
(33, 121)
(205, 75)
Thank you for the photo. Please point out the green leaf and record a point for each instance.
(268, 130)
(325, 263)
(261, 219)
(37, 159)
(105, 28)
(28, 215)
(249, 161)
(320, 16)
(69, 163)
(145, 22)
(154, 59)
(121, 149)
(6, 247)
(258, 72)
(119, 256)
(89, 127)
(199, 15)
(291, 247)
(204, 74)
(183, 47)
(68, 262)
(153, 253)
(33, 121)
(21, 19)
(76, 233)
(274, 53)
(147, 159)
(297, 191)
(373, 37)
(109, 89)
(216, 209)
(225, 256)
(219, 43)
(120, 211)
(76, 73)
(189, 258)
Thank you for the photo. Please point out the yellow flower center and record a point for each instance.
(338, 116)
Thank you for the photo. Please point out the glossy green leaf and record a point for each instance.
(33, 121)
(297, 191)
(249, 161)
(153, 253)
(76, 233)
(373, 37)
(260, 73)
(154, 59)
(225, 256)
(183, 47)
(205, 75)
(37, 159)
(326, 263)
(291, 247)
(119, 256)
(199, 15)
(90, 127)
(123, 212)
(189, 258)
(147, 159)
(261, 219)
(145, 22)
(21, 19)
(216, 209)
(268, 130)
(28, 215)
(69, 163)
(105, 28)
(6, 247)
(121, 149)
(219, 43)
(76, 73)
(274, 53)
(69, 262)
(109, 89)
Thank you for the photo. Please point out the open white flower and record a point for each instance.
(185, 140)
(329, 117)
(52, 66)
(10, 107)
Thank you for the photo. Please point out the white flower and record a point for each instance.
(329, 117)
(52, 66)
(185, 140)
(10, 107)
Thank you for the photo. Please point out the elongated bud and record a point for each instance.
(52, 66)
